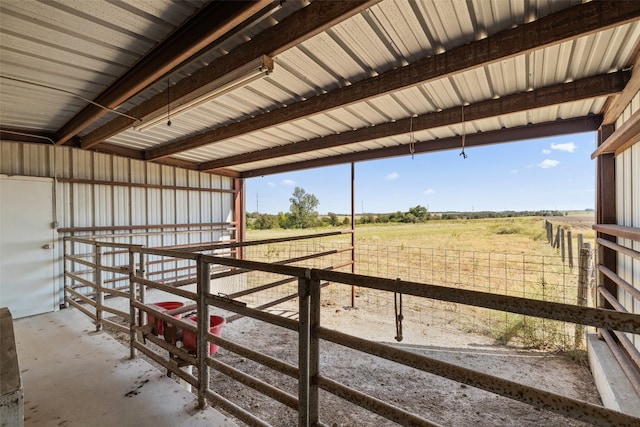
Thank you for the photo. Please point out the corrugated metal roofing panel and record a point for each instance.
(388, 35)
(39, 45)
(339, 55)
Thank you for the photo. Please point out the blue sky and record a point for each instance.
(547, 173)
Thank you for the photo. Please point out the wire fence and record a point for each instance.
(540, 277)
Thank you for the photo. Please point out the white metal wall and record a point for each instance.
(89, 205)
(628, 211)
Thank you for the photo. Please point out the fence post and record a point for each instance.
(570, 247)
(303, 353)
(142, 316)
(202, 350)
(580, 243)
(562, 244)
(67, 269)
(98, 282)
(308, 348)
(556, 243)
(132, 309)
(583, 282)
(314, 352)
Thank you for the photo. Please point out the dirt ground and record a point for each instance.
(435, 398)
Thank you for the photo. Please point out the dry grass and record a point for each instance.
(508, 256)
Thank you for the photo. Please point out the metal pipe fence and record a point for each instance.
(619, 288)
(311, 287)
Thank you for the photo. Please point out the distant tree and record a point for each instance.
(420, 212)
(346, 221)
(265, 222)
(382, 219)
(396, 217)
(284, 220)
(409, 217)
(333, 219)
(302, 209)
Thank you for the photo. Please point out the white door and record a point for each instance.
(26, 245)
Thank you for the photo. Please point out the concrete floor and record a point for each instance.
(75, 377)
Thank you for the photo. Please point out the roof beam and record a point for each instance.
(132, 153)
(590, 87)
(213, 21)
(541, 130)
(299, 26)
(21, 135)
(559, 27)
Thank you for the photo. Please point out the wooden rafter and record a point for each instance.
(590, 87)
(560, 27)
(215, 20)
(301, 25)
(558, 127)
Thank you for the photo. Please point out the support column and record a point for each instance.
(353, 230)
(606, 211)
(308, 350)
(239, 214)
(202, 345)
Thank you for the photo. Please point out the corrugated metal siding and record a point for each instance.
(628, 210)
(88, 205)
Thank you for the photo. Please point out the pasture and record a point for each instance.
(509, 256)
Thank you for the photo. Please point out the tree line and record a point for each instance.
(302, 214)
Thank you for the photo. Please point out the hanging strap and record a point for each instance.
(412, 139)
(464, 134)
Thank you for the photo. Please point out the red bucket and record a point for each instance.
(189, 340)
(158, 324)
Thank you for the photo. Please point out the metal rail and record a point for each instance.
(610, 285)
(310, 332)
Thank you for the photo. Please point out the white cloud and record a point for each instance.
(546, 151)
(548, 163)
(513, 171)
(429, 191)
(288, 182)
(392, 176)
(271, 184)
(569, 147)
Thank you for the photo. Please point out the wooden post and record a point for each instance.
(580, 243)
(546, 227)
(562, 245)
(556, 243)
(570, 247)
(583, 283)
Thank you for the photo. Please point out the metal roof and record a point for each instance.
(349, 78)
